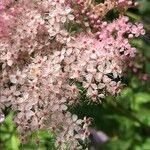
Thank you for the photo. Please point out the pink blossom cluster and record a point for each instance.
(40, 58)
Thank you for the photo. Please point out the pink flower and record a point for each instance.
(44, 59)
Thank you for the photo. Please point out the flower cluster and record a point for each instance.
(39, 59)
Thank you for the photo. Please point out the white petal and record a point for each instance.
(79, 121)
(34, 121)
(71, 132)
(56, 107)
(74, 117)
(2, 117)
(101, 85)
(98, 77)
(13, 79)
(71, 17)
(64, 107)
(63, 19)
(94, 86)
(9, 62)
(89, 78)
(101, 95)
(29, 114)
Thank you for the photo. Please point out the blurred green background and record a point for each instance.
(125, 119)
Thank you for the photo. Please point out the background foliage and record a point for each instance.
(125, 119)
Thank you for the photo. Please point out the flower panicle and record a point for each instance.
(44, 66)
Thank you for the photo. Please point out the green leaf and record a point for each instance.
(146, 145)
(127, 92)
(141, 98)
(15, 143)
(144, 116)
